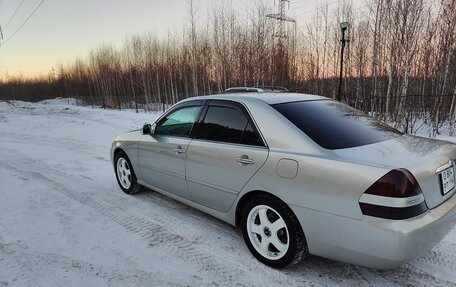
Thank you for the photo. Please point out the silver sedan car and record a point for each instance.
(299, 174)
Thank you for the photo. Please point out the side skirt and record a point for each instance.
(226, 217)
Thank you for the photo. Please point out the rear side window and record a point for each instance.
(334, 125)
(227, 124)
(250, 136)
(178, 123)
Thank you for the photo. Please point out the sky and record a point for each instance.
(62, 30)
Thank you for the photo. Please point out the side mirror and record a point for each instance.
(147, 129)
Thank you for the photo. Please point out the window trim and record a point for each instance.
(229, 104)
(194, 103)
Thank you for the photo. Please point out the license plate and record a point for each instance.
(448, 181)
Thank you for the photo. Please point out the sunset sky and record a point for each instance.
(61, 30)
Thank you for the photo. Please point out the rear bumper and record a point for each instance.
(375, 242)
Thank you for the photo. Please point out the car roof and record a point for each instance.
(269, 98)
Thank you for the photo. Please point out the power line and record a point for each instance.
(14, 14)
(309, 12)
(302, 4)
(307, 6)
(30, 16)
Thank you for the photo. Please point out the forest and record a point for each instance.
(399, 62)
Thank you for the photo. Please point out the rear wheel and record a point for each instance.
(125, 174)
(272, 232)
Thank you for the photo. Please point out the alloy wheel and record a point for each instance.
(124, 173)
(268, 232)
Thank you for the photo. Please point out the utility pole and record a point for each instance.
(343, 27)
(281, 34)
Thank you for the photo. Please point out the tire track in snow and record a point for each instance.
(440, 264)
(236, 265)
(129, 277)
(155, 235)
(15, 269)
(170, 213)
(408, 274)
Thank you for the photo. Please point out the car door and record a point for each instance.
(226, 151)
(161, 156)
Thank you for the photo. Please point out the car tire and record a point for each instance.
(272, 232)
(126, 177)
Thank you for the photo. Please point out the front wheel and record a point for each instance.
(125, 174)
(272, 232)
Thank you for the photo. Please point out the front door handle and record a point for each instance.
(179, 150)
(245, 160)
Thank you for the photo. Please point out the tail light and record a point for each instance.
(396, 195)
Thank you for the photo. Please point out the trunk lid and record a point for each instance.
(421, 156)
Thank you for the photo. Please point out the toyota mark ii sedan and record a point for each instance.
(299, 174)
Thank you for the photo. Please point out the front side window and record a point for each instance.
(227, 124)
(179, 122)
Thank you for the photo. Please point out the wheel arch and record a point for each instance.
(116, 151)
(114, 154)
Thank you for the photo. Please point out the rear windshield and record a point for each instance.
(334, 125)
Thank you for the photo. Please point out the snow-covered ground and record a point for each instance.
(65, 222)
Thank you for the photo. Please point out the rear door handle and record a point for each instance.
(179, 150)
(245, 160)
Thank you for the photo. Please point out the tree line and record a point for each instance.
(399, 64)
